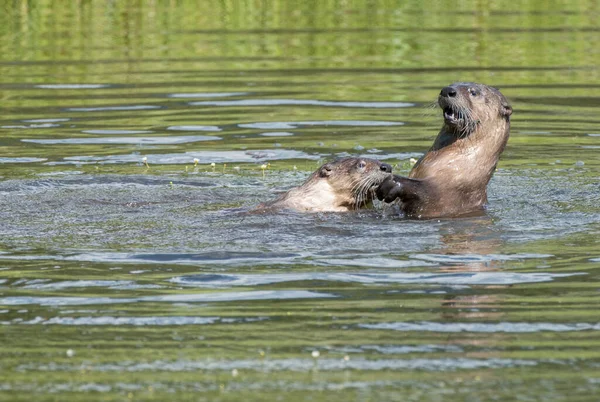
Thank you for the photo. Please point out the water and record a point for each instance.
(124, 278)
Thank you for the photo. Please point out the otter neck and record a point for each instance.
(464, 162)
(446, 137)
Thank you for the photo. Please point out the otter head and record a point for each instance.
(355, 179)
(467, 105)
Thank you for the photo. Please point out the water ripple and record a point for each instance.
(371, 262)
(463, 278)
(180, 298)
(30, 126)
(399, 349)
(214, 257)
(206, 94)
(86, 284)
(297, 365)
(302, 102)
(72, 86)
(113, 108)
(516, 327)
(277, 134)
(57, 120)
(21, 160)
(203, 156)
(133, 321)
(103, 131)
(128, 140)
(470, 258)
(194, 128)
(282, 125)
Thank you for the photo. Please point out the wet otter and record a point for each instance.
(342, 185)
(451, 178)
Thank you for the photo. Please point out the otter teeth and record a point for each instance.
(449, 114)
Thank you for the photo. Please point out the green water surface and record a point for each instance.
(124, 278)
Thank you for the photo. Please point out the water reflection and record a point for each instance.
(472, 245)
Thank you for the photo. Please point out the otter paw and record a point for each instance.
(388, 191)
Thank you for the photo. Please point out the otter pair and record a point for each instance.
(449, 180)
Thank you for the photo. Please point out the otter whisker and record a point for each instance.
(361, 191)
(357, 189)
(358, 193)
(364, 190)
(464, 115)
(429, 108)
(431, 105)
(366, 193)
(370, 191)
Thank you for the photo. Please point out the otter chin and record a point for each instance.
(451, 178)
(342, 185)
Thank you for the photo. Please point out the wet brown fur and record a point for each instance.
(342, 185)
(451, 178)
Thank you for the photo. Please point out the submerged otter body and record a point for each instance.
(451, 178)
(342, 185)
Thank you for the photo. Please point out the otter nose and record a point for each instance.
(448, 92)
(385, 168)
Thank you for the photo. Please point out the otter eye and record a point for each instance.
(362, 165)
(473, 92)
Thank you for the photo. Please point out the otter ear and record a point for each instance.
(506, 109)
(325, 170)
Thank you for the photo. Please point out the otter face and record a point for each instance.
(355, 178)
(467, 104)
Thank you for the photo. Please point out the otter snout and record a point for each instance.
(386, 168)
(455, 101)
(448, 92)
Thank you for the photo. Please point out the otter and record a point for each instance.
(451, 178)
(342, 185)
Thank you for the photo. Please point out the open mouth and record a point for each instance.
(451, 116)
